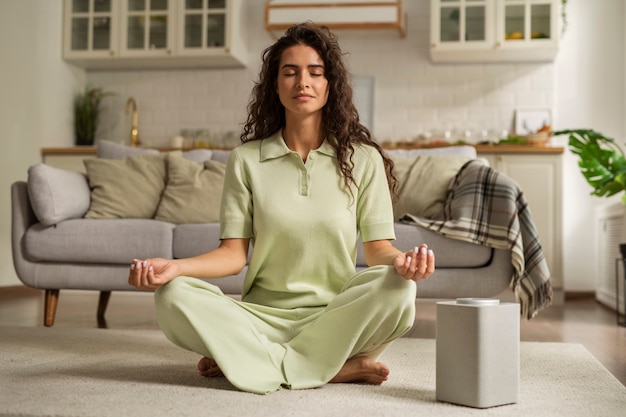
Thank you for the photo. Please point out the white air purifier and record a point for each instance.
(478, 357)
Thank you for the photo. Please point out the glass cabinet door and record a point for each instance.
(147, 27)
(90, 26)
(204, 25)
(463, 21)
(527, 20)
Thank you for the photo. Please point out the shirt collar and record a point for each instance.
(275, 147)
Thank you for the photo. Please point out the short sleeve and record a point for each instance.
(236, 206)
(374, 208)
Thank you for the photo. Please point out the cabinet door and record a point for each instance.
(147, 28)
(159, 34)
(494, 30)
(462, 24)
(90, 29)
(203, 27)
(524, 24)
(540, 178)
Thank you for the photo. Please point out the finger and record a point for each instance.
(400, 264)
(152, 279)
(431, 262)
(422, 266)
(134, 276)
(145, 281)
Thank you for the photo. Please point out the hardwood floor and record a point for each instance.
(580, 320)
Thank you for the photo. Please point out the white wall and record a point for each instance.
(584, 86)
(590, 86)
(35, 103)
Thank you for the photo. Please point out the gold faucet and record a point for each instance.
(131, 104)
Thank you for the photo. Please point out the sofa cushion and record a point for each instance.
(193, 191)
(56, 194)
(110, 150)
(423, 183)
(195, 239)
(449, 253)
(125, 188)
(115, 241)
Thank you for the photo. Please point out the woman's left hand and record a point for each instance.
(416, 264)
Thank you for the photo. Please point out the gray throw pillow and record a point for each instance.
(198, 155)
(57, 194)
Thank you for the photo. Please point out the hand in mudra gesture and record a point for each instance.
(152, 273)
(415, 264)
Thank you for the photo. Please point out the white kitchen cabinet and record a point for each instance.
(147, 28)
(152, 34)
(494, 30)
(540, 178)
(90, 29)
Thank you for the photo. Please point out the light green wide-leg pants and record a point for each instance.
(261, 349)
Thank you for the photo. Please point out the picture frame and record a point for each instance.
(529, 121)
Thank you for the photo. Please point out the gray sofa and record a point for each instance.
(68, 251)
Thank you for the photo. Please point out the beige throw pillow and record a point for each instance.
(193, 192)
(125, 188)
(423, 183)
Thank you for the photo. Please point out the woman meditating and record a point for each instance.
(306, 183)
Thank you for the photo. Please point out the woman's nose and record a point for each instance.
(302, 81)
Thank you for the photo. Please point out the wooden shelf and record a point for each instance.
(484, 149)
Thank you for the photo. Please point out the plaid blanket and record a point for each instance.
(485, 207)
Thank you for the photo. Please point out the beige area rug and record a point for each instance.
(92, 372)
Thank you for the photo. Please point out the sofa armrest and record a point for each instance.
(22, 218)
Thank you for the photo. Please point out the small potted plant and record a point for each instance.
(86, 112)
(602, 162)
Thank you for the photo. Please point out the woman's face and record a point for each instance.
(302, 85)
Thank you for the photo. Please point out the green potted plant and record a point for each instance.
(602, 162)
(86, 112)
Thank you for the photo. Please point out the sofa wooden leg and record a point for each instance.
(50, 307)
(102, 308)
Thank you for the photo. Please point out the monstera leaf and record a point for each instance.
(601, 161)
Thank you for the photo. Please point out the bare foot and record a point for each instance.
(362, 369)
(208, 367)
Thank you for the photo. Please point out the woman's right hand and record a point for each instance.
(150, 274)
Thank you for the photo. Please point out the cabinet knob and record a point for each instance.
(433, 45)
(169, 52)
(111, 52)
(498, 44)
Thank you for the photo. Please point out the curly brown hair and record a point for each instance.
(340, 119)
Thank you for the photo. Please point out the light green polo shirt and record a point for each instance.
(303, 223)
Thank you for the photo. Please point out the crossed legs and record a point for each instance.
(262, 351)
